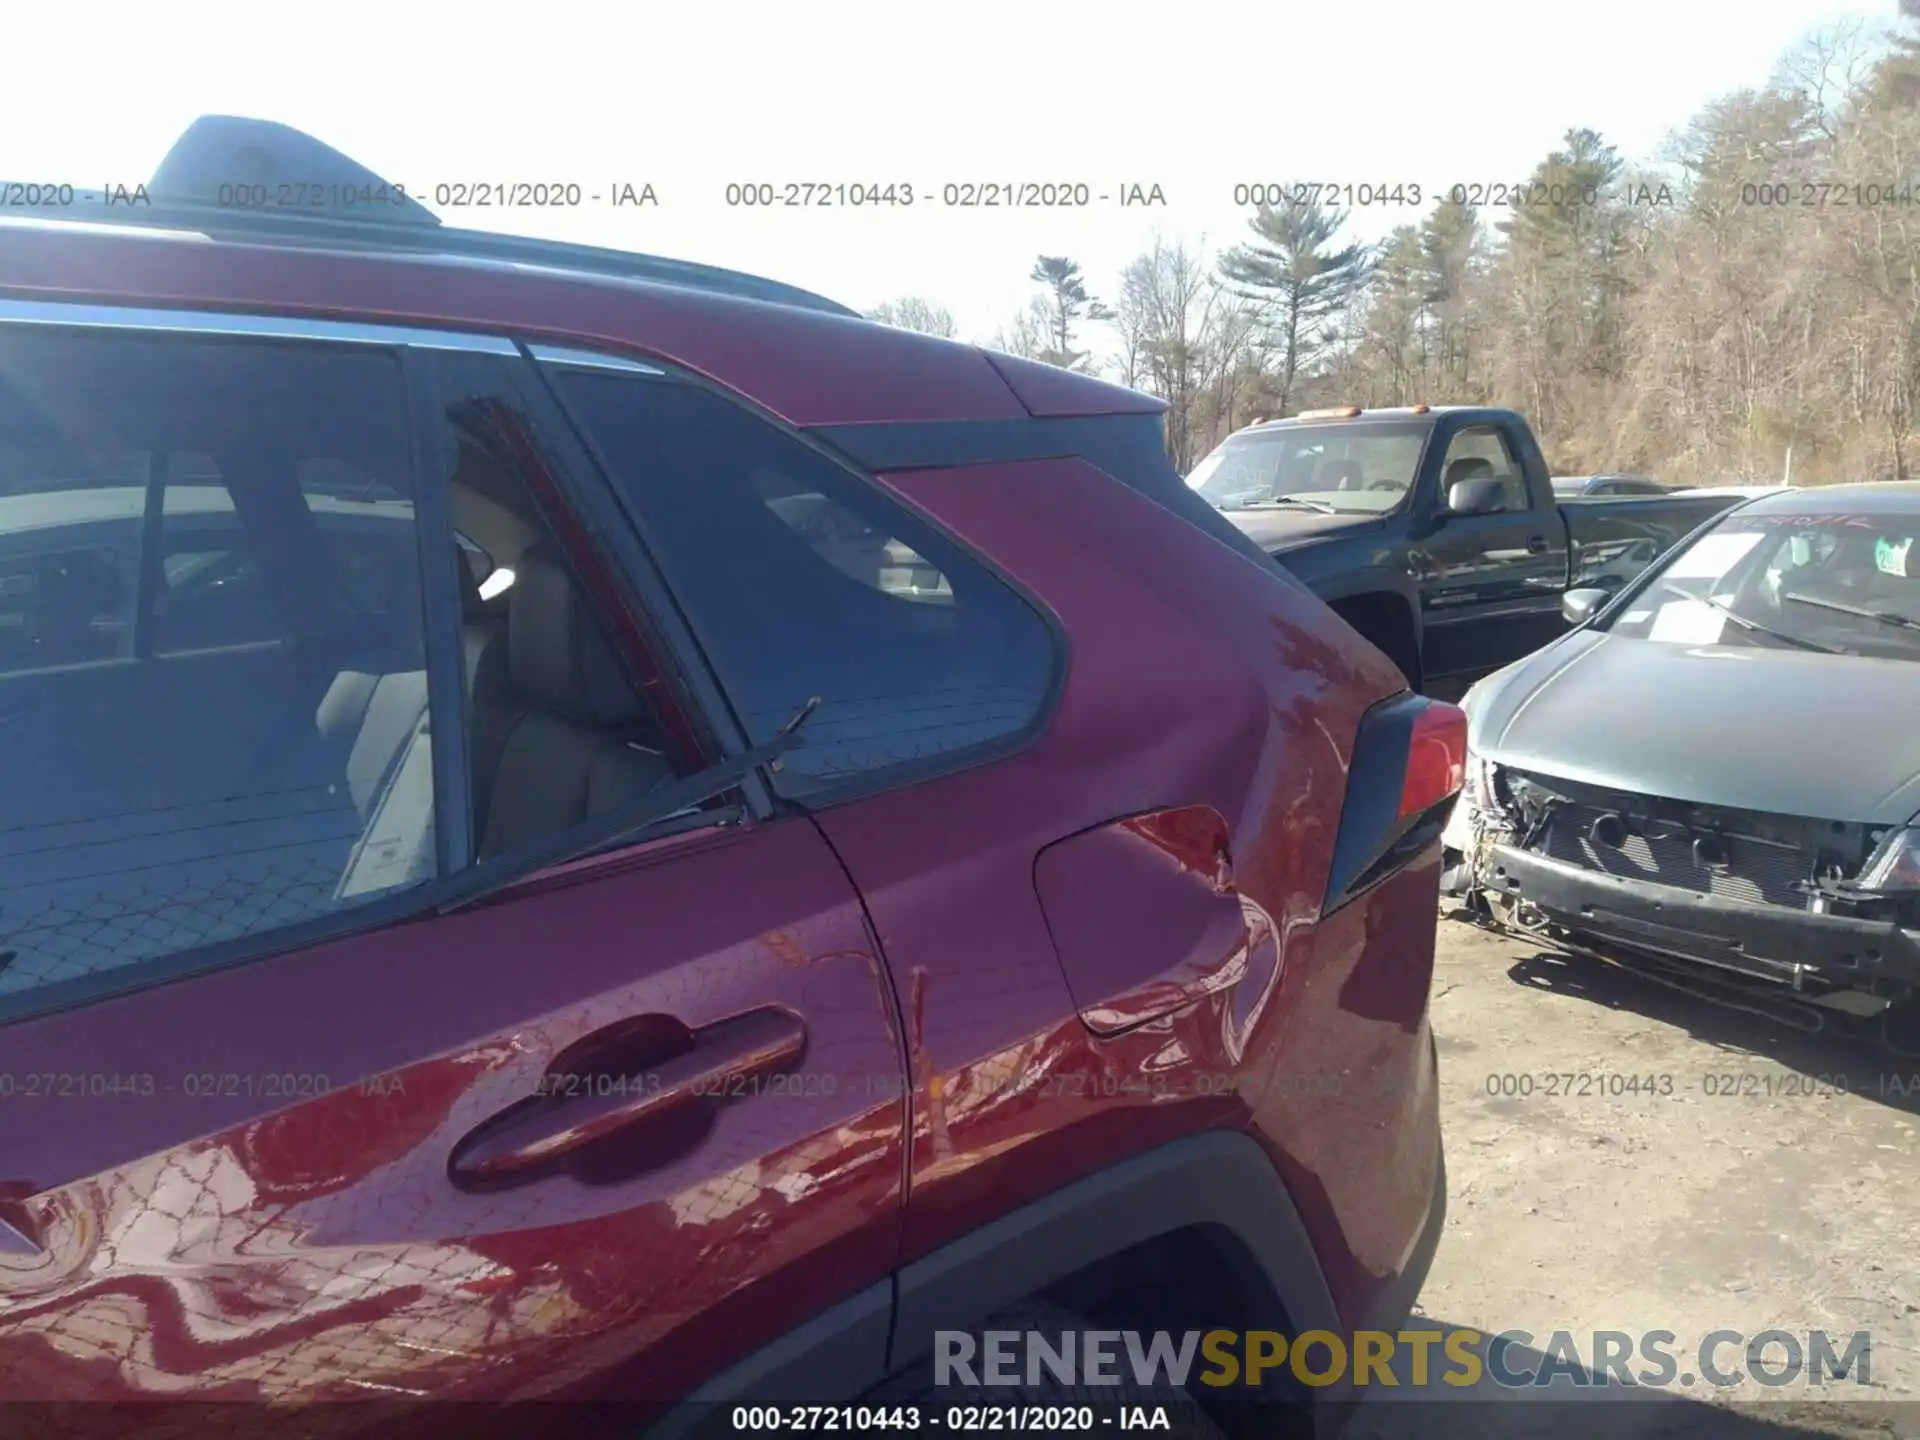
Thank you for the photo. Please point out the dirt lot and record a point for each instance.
(1760, 1179)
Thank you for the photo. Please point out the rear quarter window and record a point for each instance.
(801, 578)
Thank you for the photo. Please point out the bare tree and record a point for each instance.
(1749, 292)
(1029, 336)
(1181, 334)
(913, 313)
(1831, 69)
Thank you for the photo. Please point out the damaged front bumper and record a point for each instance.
(1462, 842)
(1754, 897)
(1770, 942)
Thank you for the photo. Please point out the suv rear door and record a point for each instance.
(301, 1101)
(1032, 767)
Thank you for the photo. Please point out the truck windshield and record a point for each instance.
(1352, 469)
(1844, 584)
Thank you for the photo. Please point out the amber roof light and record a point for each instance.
(1342, 412)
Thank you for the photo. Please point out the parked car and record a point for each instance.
(693, 841)
(1582, 487)
(1718, 771)
(1433, 531)
(1737, 492)
(71, 558)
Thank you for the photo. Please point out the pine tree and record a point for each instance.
(1299, 279)
(1394, 330)
(1450, 243)
(1068, 303)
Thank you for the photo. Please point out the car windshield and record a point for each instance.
(1845, 584)
(1362, 469)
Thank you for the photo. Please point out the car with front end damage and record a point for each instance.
(1716, 775)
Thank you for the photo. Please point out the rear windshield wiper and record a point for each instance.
(682, 796)
(1885, 617)
(1753, 626)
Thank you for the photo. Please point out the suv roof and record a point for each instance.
(353, 209)
(325, 264)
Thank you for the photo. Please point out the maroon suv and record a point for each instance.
(580, 827)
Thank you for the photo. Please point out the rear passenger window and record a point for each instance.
(559, 735)
(801, 579)
(214, 717)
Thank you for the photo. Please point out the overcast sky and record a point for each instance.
(1194, 97)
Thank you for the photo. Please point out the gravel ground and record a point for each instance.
(1760, 1179)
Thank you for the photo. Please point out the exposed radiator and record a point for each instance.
(1756, 873)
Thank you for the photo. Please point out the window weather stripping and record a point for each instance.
(590, 359)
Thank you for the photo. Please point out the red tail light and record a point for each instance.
(1436, 759)
(1409, 762)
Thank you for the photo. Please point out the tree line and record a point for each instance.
(1742, 306)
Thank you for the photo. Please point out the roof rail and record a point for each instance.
(345, 206)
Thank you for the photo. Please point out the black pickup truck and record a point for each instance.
(1433, 530)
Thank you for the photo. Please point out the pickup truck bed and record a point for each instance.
(1434, 531)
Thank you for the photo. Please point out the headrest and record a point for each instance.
(1469, 467)
(557, 654)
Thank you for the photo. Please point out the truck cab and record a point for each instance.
(1433, 530)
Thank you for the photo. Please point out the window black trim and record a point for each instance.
(432, 459)
(595, 512)
(423, 902)
(882, 780)
(953, 444)
(153, 558)
(603, 513)
(188, 964)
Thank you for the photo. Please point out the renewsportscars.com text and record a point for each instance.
(1513, 1359)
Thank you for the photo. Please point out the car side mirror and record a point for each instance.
(1579, 606)
(1482, 496)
